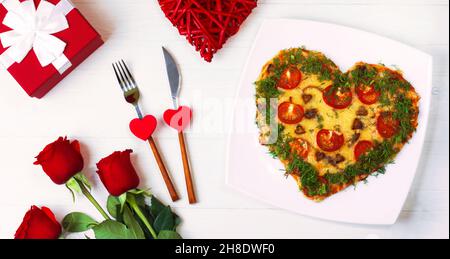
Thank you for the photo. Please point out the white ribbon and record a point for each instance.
(32, 29)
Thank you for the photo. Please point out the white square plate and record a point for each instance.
(253, 171)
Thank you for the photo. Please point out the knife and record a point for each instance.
(174, 76)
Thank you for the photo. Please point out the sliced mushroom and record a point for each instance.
(354, 139)
(320, 156)
(362, 111)
(311, 113)
(307, 98)
(331, 161)
(336, 160)
(299, 130)
(357, 124)
(339, 158)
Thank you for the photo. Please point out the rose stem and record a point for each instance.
(133, 204)
(91, 198)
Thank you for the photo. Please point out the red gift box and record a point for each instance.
(58, 45)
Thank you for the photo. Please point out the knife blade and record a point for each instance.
(174, 77)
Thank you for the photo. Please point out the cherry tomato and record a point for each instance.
(362, 148)
(387, 126)
(338, 97)
(330, 141)
(300, 147)
(367, 94)
(290, 78)
(290, 113)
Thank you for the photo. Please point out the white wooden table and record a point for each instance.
(87, 106)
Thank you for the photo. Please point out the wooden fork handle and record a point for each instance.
(187, 170)
(162, 168)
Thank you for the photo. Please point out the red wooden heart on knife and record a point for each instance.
(178, 119)
(207, 24)
(143, 128)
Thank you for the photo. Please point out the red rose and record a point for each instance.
(61, 160)
(38, 224)
(117, 173)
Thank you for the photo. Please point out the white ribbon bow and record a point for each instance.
(32, 29)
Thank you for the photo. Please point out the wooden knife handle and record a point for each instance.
(162, 168)
(187, 170)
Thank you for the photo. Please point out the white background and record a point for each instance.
(88, 106)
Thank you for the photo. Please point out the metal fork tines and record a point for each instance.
(131, 94)
(128, 85)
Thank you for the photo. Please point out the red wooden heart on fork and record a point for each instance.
(207, 24)
(178, 119)
(144, 128)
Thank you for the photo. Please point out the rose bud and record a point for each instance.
(38, 224)
(61, 160)
(117, 173)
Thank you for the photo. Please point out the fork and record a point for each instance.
(131, 94)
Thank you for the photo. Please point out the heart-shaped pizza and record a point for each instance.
(332, 129)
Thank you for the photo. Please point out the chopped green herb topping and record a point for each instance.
(393, 94)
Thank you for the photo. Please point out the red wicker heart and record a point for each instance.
(207, 24)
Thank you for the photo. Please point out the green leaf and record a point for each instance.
(168, 234)
(123, 198)
(111, 205)
(78, 222)
(165, 220)
(132, 224)
(156, 207)
(177, 221)
(110, 229)
(114, 205)
(159, 212)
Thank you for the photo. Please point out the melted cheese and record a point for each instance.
(332, 119)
